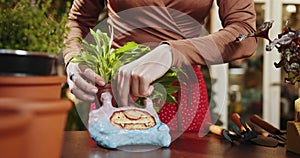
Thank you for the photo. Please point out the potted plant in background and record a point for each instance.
(288, 45)
(36, 28)
(31, 38)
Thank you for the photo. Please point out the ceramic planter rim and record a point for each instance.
(26, 53)
(26, 63)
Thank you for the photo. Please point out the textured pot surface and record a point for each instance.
(24, 63)
(35, 87)
(13, 128)
(46, 130)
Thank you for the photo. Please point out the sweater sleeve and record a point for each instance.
(238, 17)
(83, 16)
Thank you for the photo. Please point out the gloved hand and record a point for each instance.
(81, 79)
(134, 79)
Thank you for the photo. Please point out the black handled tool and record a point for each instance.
(228, 135)
(265, 125)
(248, 134)
(264, 133)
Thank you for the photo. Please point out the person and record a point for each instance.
(172, 29)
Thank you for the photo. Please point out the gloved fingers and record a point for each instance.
(140, 84)
(91, 75)
(136, 77)
(135, 85)
(123, 84)
(84, 85)
(89, 97)
(82, 89)
(71, 71)
(70, 82)
(78, 84)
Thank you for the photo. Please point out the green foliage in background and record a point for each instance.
(32, 25)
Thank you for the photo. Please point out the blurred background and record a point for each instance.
(254, 85)
(248, 86)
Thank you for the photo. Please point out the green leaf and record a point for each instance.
(171, 99)
(126, 48)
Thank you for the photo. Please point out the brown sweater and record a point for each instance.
(176, 22)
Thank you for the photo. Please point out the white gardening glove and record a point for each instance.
(82, 80)
(134, 79)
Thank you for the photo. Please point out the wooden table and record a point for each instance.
(189, 145)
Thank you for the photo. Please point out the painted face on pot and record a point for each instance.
(132, 119)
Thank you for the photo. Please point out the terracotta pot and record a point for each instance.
(46, 130)
(13, 128)
(35, 87)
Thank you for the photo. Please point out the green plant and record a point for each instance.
(105, 61)
(32, 25)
